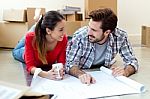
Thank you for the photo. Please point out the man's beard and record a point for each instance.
(96, 40)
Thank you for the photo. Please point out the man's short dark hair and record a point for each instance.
(106, 16)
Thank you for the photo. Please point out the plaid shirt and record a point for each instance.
(80, 51)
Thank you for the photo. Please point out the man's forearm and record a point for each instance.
(129, 70)
(75, 71)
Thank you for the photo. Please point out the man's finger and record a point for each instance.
(88, 79)
(93, 81)
(81, 77)
(118, 72)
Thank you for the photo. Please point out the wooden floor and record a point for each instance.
(10, 69)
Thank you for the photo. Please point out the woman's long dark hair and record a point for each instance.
(49, 20)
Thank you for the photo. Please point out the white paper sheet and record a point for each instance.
(139, 87)
(8, 93)
(72, 88)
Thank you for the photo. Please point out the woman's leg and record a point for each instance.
(18, 51)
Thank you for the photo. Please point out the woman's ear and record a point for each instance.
(48, 31)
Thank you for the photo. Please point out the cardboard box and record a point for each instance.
(74, 17)
(95, 4)
(16, 15)
(84, 23)
(11, 33)
(31, 14)
(72, 26)
(145, 36)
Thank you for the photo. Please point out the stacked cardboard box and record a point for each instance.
(14, 15)
(31, 14)
(90, 5)
(16, 23)
(11, 33)
(74, 17)
(95, 4)
(71, 13)
(145, 37)
(72, 26)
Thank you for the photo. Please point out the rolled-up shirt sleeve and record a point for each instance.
(73, 53)
(126, 52)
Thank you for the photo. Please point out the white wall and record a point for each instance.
(132, 14)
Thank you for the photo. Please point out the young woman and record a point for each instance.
(46, 46)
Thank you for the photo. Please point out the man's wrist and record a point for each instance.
(80, 73)
(129, 70)
(75, 71)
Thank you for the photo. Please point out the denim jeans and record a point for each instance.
(18, 51)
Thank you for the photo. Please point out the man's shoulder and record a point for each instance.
(120, 32)
(81, 32)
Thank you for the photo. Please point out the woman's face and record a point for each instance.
(58, 32)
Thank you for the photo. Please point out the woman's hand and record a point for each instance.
(62, 72)
(53, 74)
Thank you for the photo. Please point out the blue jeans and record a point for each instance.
(18, 51)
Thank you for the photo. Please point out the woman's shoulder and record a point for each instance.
(30, 35)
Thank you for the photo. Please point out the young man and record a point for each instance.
(97, 45)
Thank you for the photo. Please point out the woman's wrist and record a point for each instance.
(43, 74)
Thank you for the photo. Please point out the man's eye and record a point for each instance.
(93, 30)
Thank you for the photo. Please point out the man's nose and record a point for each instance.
(90, 32)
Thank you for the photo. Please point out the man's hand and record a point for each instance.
(120, 71)
(87, 79)
(84, 77)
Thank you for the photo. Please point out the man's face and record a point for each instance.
(95, 33)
